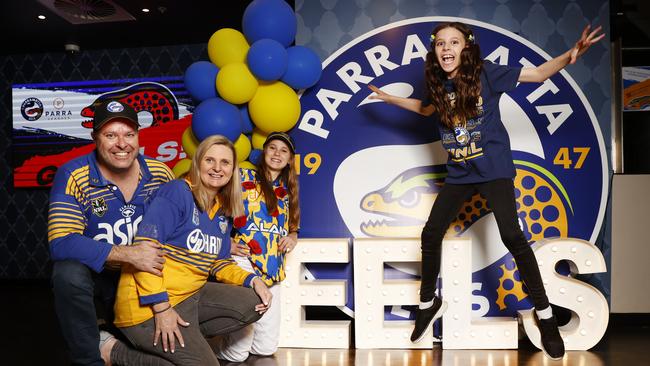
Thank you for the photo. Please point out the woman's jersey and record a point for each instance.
(196, 245)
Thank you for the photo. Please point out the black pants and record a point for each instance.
(82, 296)
(500, 196)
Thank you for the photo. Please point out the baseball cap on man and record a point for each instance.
(109, 110)
(282, 137)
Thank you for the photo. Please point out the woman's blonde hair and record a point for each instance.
(229, 196)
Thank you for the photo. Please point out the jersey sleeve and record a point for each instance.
(227, 271)
(501, 78)
(166, 212)
(67, 223)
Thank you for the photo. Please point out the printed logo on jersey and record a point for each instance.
(199, 242)
(266, 227)
(381, 167)
(223, 225)
(195, 216)
(127, 211)
(31, 109)
(99, 207)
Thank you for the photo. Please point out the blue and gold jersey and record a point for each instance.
(196, 246)
(263, 229)
(89, 214)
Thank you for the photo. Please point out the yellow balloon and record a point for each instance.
(258, 138)
(247, 165)
(227, 45)
(275, 107)
(182, 167)
(235, 83)
(189, 142)
(242, 147)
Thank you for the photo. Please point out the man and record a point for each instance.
(96, 204)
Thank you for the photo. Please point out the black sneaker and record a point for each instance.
(552, 342)
(424, 319)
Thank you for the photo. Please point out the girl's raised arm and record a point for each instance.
(551, 67)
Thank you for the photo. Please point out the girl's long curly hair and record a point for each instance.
(467, 82)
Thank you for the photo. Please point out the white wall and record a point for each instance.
(630, 244)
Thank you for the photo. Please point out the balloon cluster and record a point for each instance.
(248, 89)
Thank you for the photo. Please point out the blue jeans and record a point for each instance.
(77, 288)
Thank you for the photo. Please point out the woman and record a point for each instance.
(463, 93)
(270, 195)
(191, 218)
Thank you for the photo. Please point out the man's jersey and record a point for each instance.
(196, 246)
(263, 229)
(88, 214)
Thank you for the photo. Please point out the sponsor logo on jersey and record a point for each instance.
(267, 228)
(199, 242)
(127, 210)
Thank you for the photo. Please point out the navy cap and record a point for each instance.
(109, 110)
(282, 136)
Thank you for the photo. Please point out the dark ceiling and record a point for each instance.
(193, 21)
(168, 22)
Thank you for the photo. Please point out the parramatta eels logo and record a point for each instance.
(31, 109)
(383, 166)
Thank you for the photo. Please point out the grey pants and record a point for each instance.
(217, 309)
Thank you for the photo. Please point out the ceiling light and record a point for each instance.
(145, 10)
(41, 17)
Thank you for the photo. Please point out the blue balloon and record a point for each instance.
(200, 80)
(254, 156)
(273, 19)
(246, 122)
(267, 59)
(215, 116)
(303, 69)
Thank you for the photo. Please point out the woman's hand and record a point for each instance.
(239, 249)
(167, 322)
(585, 41)
(287, 243)
(264, 293)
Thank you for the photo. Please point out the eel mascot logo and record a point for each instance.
(382, 167)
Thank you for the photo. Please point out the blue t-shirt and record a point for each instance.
(479, 151)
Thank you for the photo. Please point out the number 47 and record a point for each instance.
(563, 158)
